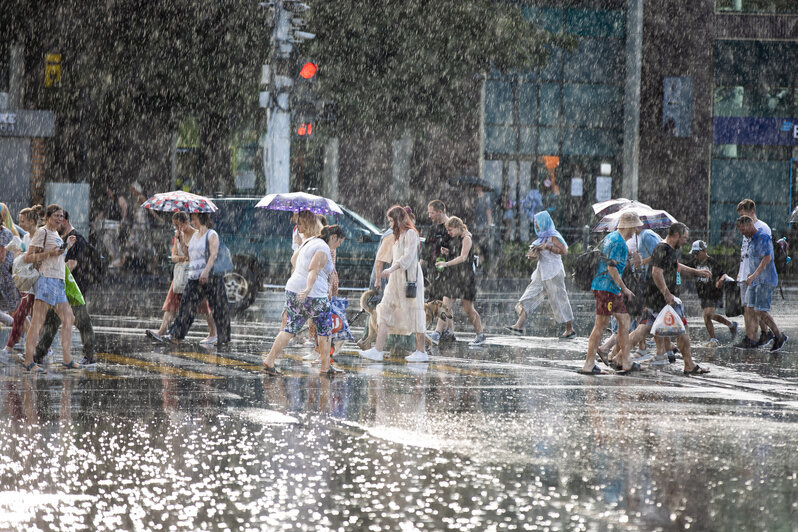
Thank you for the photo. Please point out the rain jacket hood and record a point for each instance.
(545, 229)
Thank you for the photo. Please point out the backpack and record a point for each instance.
(585, 266)
(781, 254)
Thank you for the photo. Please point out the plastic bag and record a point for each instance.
(668, 323)
(24, 274)
(16, 246)
(340, 328)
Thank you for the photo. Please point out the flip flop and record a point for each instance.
(568, 336)
(513, 330)
(697, 370)
(595, 371)
(634, 369)
(272, 371)
(604, 357)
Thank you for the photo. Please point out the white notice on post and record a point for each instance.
(603, 188)
(576, 186)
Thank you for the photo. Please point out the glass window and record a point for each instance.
(763, 63)
(498, 102)
(592, 106)
(591, 23)
(528, 103)
(527, 140)
(553, 67)
(594, 142)
(548, 141)
(581, 65)
(550, 104)
(548, 18)
(499, 139)
(753, 101)
(757, 6)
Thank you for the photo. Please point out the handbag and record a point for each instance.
(25, 274)
(410, 287)
(179, 277)
(224, 261)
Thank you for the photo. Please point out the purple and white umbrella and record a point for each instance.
(651, 218)
(603, 208)
(179, 201)
(299, 201)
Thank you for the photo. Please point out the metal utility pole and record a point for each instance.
(275, 96)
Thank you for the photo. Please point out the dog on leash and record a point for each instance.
(433, 310)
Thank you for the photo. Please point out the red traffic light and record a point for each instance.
(305, 130)
(308, 70)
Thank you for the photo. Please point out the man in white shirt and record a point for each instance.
(747, 207)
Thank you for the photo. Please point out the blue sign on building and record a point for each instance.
(755, 131)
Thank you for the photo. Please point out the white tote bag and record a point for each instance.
(180, 277)
(668, 323)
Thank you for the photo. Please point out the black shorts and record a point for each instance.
(710, 302)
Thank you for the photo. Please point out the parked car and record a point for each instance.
(260, 243)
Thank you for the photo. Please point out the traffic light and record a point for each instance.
(304, 118)
(304, 96)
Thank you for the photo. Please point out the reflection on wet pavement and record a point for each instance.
(506, 437)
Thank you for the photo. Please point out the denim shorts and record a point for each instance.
(50, 290)
(313, 308)
(759, 297)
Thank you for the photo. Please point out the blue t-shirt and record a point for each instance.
(613, 247)
(761, 245)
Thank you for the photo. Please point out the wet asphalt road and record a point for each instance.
(503, 437)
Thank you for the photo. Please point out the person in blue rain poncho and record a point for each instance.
(548, 278)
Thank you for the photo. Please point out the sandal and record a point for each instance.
(595, 371)
(568, 336)
(272, 371)
(697, 370)
(634, 369)
(604, 356)
(72, 365)
(29, 368)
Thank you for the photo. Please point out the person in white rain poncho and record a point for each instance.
(548, 278)
(397, 313)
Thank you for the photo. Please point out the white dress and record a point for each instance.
(398, 313)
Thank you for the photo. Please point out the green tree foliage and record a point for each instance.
(408, 63)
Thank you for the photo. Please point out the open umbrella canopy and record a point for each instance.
(471, 181)
(603, 208)
(651, 218)
(793, 217)
(299, 201)
(179, 201)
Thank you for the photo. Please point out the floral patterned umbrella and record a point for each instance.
(179, 201)
(299, 201)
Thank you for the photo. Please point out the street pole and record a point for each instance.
(277, 152)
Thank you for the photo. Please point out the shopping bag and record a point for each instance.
(24, 274)
(731, 295)
(71, 289)
(340, 325)
(668, 323)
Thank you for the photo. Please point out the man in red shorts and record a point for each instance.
(609, 289)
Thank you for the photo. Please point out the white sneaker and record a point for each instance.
(312, 356)
(417, 356)
(48, 358)
(713, 342)
(210, 340)
(372, 354)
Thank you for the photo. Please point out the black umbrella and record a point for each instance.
(471, 181)
(793, 217)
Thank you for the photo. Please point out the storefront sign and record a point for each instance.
(603, 188)
(26, 123)
(755, 131)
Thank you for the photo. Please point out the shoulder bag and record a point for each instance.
(25, 274)
(224, 261)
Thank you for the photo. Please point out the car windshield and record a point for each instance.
(362, 220)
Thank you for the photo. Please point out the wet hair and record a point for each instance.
(322, 220)
(455, 222)
(677, 229)
(180, 217)
(332, 230)
(66, 215)
(409, 210)
(744, 220)
(32, 213)
(52, 209)
(438, 205)
(309, 224)
(399, 220)
(747, 205)
(204, 219)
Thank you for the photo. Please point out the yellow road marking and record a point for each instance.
(151, 366)
(217, 360)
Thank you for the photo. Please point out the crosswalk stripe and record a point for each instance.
(151, 366)
(217, 360)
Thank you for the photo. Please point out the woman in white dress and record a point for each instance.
(397, 313)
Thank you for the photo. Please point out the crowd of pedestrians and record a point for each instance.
(637, 276)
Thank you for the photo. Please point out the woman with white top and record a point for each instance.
(203, 249)
(47, 249)
(397, 313)
(548, 279)
(306, 292)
